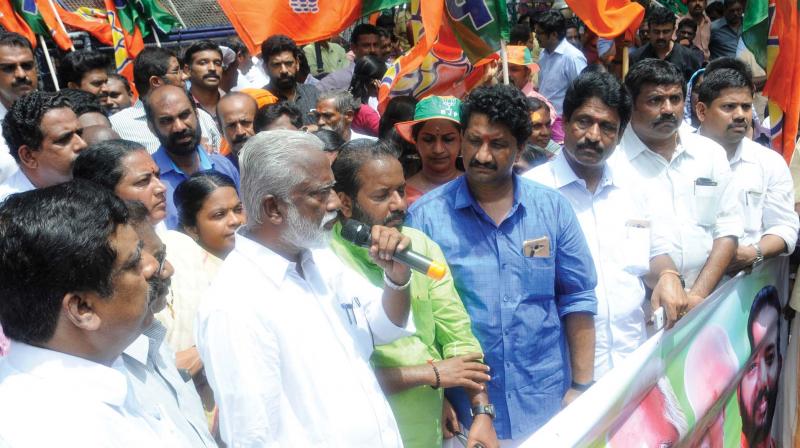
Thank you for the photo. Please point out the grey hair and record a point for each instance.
(270, 165)
(342, 99)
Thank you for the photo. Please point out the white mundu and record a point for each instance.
(288, 355)
(766, 194)
(694, 197)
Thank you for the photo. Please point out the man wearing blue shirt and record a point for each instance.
(521, 266)
(172, 117)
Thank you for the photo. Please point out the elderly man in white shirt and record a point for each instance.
(43, 134)
(74, 282)
(286, 331)
(685, 175)
(765, 188)
(621, 235)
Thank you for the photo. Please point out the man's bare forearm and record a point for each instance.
(580, 337)
(722, 252)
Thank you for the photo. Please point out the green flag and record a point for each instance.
(755, 29)
(29, 12)
(135, 13)
(676, 6)
(162, 20)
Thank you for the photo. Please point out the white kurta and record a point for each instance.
(622, 238)
(288, 357)
(766, 194)
(692, 215)
(55, 399)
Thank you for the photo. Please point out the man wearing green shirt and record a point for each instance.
(333, 57)
(443, 352)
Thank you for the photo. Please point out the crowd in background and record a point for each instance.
(178, 264)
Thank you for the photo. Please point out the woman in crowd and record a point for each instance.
(367, 75)
(436, 132)
(400, 108)
(126, 168)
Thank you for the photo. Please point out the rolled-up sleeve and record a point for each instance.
(576, 278)
(779, 216)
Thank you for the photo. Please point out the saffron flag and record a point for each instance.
(29, 11)
(783, 73)
(12, 22)
(609, 18)
(452, 60)
(305, 21)
(82, 19)
(127, 40)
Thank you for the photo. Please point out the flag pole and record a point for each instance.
(504, 57)
(60, 23)
(155, 34)
(625, 61)
(49, 62)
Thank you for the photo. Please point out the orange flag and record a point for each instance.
(57, 29)
(609, 18)
(14, 23)
(304, 21)
(99, 28)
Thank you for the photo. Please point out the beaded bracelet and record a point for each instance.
(435, 372)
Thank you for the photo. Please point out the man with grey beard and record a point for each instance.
(285, 330)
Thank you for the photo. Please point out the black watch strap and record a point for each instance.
(582, 387)
(487, 409)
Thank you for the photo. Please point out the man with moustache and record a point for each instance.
(43, 134)
(285, 330)
(202, 64)
(765, 188)
(236, 114)
(282, 61)
(172, 117)
(685, 174)
(621, 235)
(661, 45)
(697, 12)
(74, 281)
(443, 352)
(18, 76)
(726, 31)
(156, 382)
(336, 110)
(521, 266)
(758, 391)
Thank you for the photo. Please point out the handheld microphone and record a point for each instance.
(359, 234)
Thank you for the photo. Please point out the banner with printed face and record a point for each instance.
(711, 381)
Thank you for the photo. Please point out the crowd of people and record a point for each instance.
(176, 265)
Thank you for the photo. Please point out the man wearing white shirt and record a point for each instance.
(337, 109)
(616, 222)
(18, 76)
(43, 134)
(74, 282)
(155, 67)
(766, 191)
(286, 331)
(687, 176)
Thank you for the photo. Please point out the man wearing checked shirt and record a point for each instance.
(521, 266)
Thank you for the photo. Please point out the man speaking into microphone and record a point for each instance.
(285, 330)
(413, 371)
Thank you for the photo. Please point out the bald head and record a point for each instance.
(236, 113)
(97, 134)
(172, 116)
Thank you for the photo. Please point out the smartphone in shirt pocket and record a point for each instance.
(636, 247)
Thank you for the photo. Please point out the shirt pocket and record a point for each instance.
(634, 250)
(753, 209)
(364, 341)
(538, 280)
(706, 204)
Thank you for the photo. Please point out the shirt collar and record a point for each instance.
(165, 164)
(3, 111)
(465, 199)
(271, 264)
(150, 340)
(561, 48)
(633, 146)
(563, 174)
(76, 375)
(742, 154)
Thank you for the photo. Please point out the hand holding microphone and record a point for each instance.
(377, 237)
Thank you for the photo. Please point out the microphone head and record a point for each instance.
(356, 232)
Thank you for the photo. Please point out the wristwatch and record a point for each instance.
(759, 256)
(487, 409)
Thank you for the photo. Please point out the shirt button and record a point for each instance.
(505, 298)
(505, 332)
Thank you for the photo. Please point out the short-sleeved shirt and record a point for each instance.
(516, 302)
(557, 70)
(172, 176)
(724, 39)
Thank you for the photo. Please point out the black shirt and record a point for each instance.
(685, 59)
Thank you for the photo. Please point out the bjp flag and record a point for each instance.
(11, 22)
(305, 21)
(81, 19)
(609, 18)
